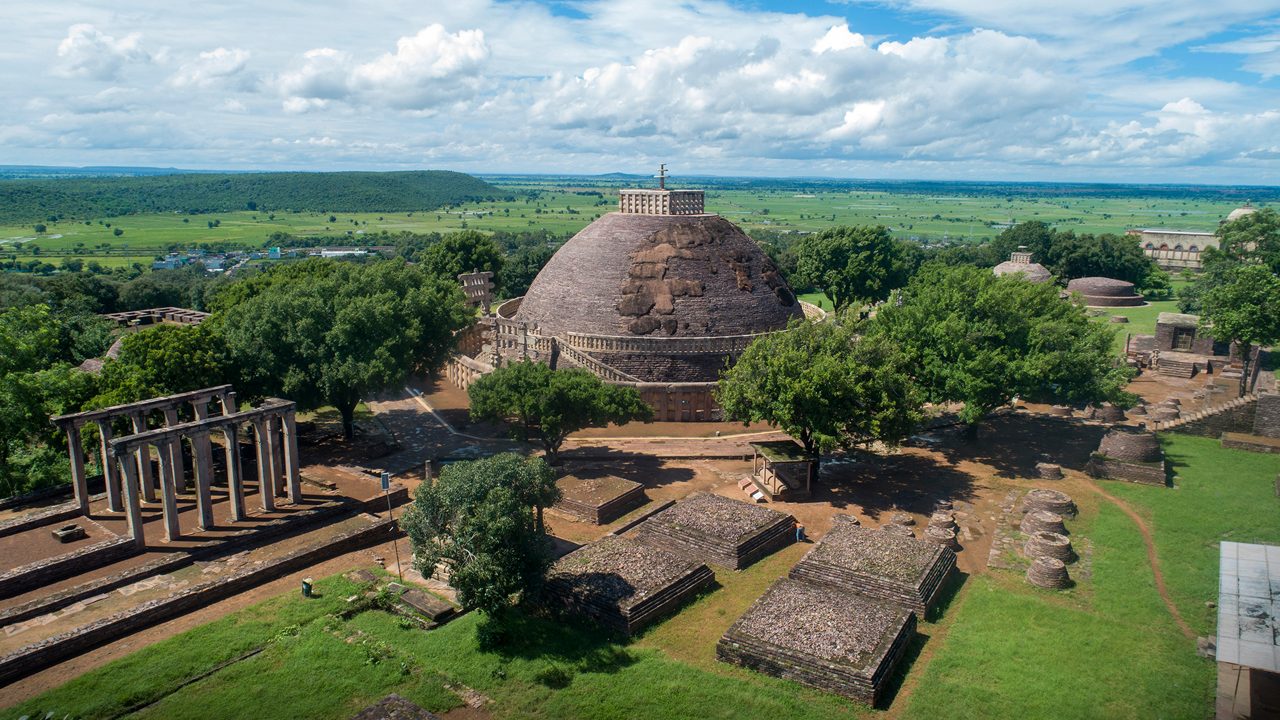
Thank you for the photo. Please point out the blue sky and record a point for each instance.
(1091, 90)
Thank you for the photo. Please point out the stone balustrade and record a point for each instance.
(723, 345)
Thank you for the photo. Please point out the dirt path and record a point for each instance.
(1151, 558)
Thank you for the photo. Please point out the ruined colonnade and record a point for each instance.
(127, 470)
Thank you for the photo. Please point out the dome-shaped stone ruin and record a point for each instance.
(1131, 445)
(1105, 292)
(660, 295)
(1019, 264)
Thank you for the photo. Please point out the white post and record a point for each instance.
(202, 459)
(235, 477)
(169, 490)
(78, 481)
(293, 477)
(128, 463)
(266, 485)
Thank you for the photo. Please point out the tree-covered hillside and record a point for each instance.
(88, 198)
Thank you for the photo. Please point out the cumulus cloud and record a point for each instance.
(429, 68)
(90, 53)
(211, 68)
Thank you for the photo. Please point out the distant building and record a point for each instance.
(273, 253)
(1019, 263)
(1176, 250)
(342, 252)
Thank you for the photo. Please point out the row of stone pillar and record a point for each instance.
(276, 448)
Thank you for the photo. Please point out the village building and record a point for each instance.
(1177, 250)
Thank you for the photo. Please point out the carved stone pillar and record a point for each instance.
(235, 475)
(145, 478)
(109, 475)
(266, 484)
(169, 489)
(175, 453)
(200, 408)
(202, 460)
(129, 466)
(78, 482)
(293, 478)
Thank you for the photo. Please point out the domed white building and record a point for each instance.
(1019, 263)
(1240, 212)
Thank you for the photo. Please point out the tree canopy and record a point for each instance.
(462, 252)
(825, 384)
(1069, 256)
(973, 338)
(322, 332)
(552, 403)
(477, 526)
(852, 264)
(163, 360)
(1245, 309)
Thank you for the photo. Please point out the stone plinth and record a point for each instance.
(598, 500)
(715, 529)
(822, 637)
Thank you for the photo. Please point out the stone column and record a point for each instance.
(277, 454)
(175, 452)
(200, 408)
(169, 489)
(129, 464)
(78, 481)
(292, 477)
(109, 474)
(266, 484)
(228, 402)
(235, 476)
(145, 479)
(202, 460)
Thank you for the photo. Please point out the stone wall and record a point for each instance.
(1266, 419)
(55, 649)
(57, 514)
(1252, 443)
(1235, 416)
(1101, 466)
(26, 578)
(462, 370)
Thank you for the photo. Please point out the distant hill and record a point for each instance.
(97, 197)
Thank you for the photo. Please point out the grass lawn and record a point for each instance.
(819, 299)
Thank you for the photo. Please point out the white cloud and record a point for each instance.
(839, 38)
(88, 52)
(211, 67)
(1261, 53)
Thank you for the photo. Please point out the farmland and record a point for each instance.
(566, 205)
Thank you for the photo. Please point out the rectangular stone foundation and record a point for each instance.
(822, 637)
(598, 500)
(1101, 466)
(1252, 443)
(622, 584)
(880, 565)
(715, 529)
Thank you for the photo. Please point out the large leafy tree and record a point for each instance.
(980, 340)
(163, 360)
(825, 384)
(1071, 256)
(323, 332)
(852, 264)
(38, 353)
(1253, 239)
(480, 526)
(1244, 309)
(462, 252)
(552, 403)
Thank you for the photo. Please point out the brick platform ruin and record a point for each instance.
(878, 564)
(598, 500)
(715, 529)
(623, 584)
(822, 637)
(1126, 454)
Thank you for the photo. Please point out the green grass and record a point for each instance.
(559, 209)
(1220, 494)
(819, 299)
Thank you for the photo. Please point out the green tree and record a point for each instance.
(40, 228)
(163, 360)
(480, 526)
(826, 384)
(1244, 309)
(462, 252)
(981, 340)
(1253, 238)
(552, 403)
(322, 332)
(851, 264)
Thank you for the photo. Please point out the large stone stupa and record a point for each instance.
(660, 294)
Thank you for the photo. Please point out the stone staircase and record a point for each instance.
(1169, 425)
(1171, 366)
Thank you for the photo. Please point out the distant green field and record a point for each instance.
(566, 209)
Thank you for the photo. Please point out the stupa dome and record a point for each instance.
(1105, 292)
(659, 276)
(1240, 212)
(1020, 263)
